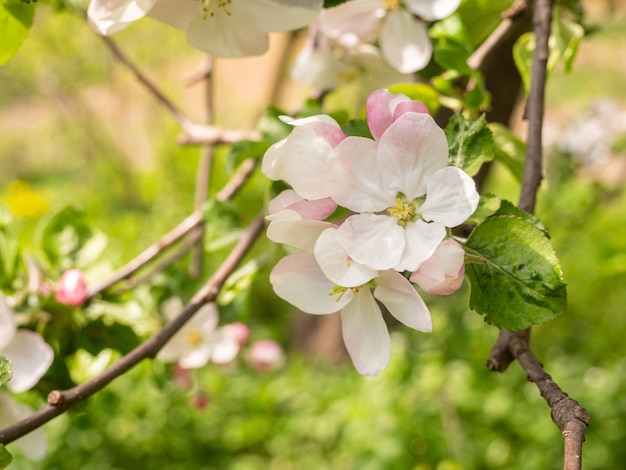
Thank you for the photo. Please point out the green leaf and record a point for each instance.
(5, 370)
(481, 17)
(508, 149)
(488, 204)
(357, 127)
(5, 457)
(16, 18)
(523, 57)
(515, 276)
(508, 208)
(419, 92)
(68, 240)
(470, 142)
(106, 333)
(9, 259)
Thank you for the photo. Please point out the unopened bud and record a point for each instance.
(442, 273)
(266, 355)
(72, 288)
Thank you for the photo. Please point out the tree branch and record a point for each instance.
(61, 400)
(571, 418)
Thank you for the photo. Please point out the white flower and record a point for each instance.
(199, 340)
(33, 445)
(299, 280)
(223, 28)
(403, 39)
(29, 354)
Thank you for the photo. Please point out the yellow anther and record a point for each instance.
(193, 338)
(392, 4)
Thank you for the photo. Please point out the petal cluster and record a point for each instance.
(399, 198)
(222, 28)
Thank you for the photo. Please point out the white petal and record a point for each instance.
(30, 356)
(295, 232)
(355, 180)
(404, 42)
(7, 323)
(374, 240)
(222, 36)
(110, 16)
(431, 10)
(320, 69)
(337, 265)
(410, 151)
(273, 161)
(359, 20)
(451, 197)
(403, 301)
(298, 279)
(176, 13)
(194, 358)
(274, 15)
(224, 345)
(365, 334)
(33, 445)
(422, 240)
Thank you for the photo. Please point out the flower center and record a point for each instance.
(406, 211)
(392, 4)
(340, 291)
(193, 338)
(210, 11)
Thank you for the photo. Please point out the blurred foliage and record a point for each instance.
(435, 408)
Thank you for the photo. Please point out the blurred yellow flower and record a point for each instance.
(23, 200)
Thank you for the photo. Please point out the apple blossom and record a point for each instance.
(299, 280)
(222, 28)
(442, 273)
(72, 288)
(33, 445)
(403, 191)
(266, 355)
(29, 354)
(199, 340)
(403, 39)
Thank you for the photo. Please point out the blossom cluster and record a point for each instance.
(399, 198)
(340, 44)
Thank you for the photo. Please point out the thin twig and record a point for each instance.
(212, 135)
(117, 52)
(240, 176)
(61, 400)
(571, 418)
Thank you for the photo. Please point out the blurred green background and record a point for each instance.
(75, 127)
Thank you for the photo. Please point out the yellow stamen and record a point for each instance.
(392, 4)
(193, 338)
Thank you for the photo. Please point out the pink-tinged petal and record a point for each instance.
(8, 327)
(365, 334)
(355, 180)
(224, 345)
(197, 357)
(431, 10)
(298, 279)
(451, 197)
(283, 200)
(409, 107)
(306, 162)
(266, 355)
(274, 15)
(30, 356)
(33, 445)
(380, 108)
(403, 301)
(317, 209)
(371, 239)
(337, 265)
(323, 126)
(352, 22)
(442, 273)
(295, 232)
(404, 42)
(272, 165)
(110, 16)
(222, 36)
(176, 13)
(422, 240)
(410, 151)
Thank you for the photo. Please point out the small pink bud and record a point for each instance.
(182, 377)
(72, 288)
(242, 332)
(443, 272)
(200, 401)
(266, 355)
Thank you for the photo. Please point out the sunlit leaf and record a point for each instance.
(515, 276)
(5, 457)
(470, 142)
(508, 149)
(5, 370)
(16, 18)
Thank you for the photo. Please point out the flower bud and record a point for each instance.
(72, 288)
(266, 355)
(241, 332)
(442, 273)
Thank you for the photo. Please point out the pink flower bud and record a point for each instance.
(442, 273)
(241, 331)
(182, 377)
(200, 401)
(266, 355)
(72, 288)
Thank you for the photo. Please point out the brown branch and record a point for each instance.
(212, 135)
(571, 418)
(184, 122)
(61, 400)
(240, 176)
